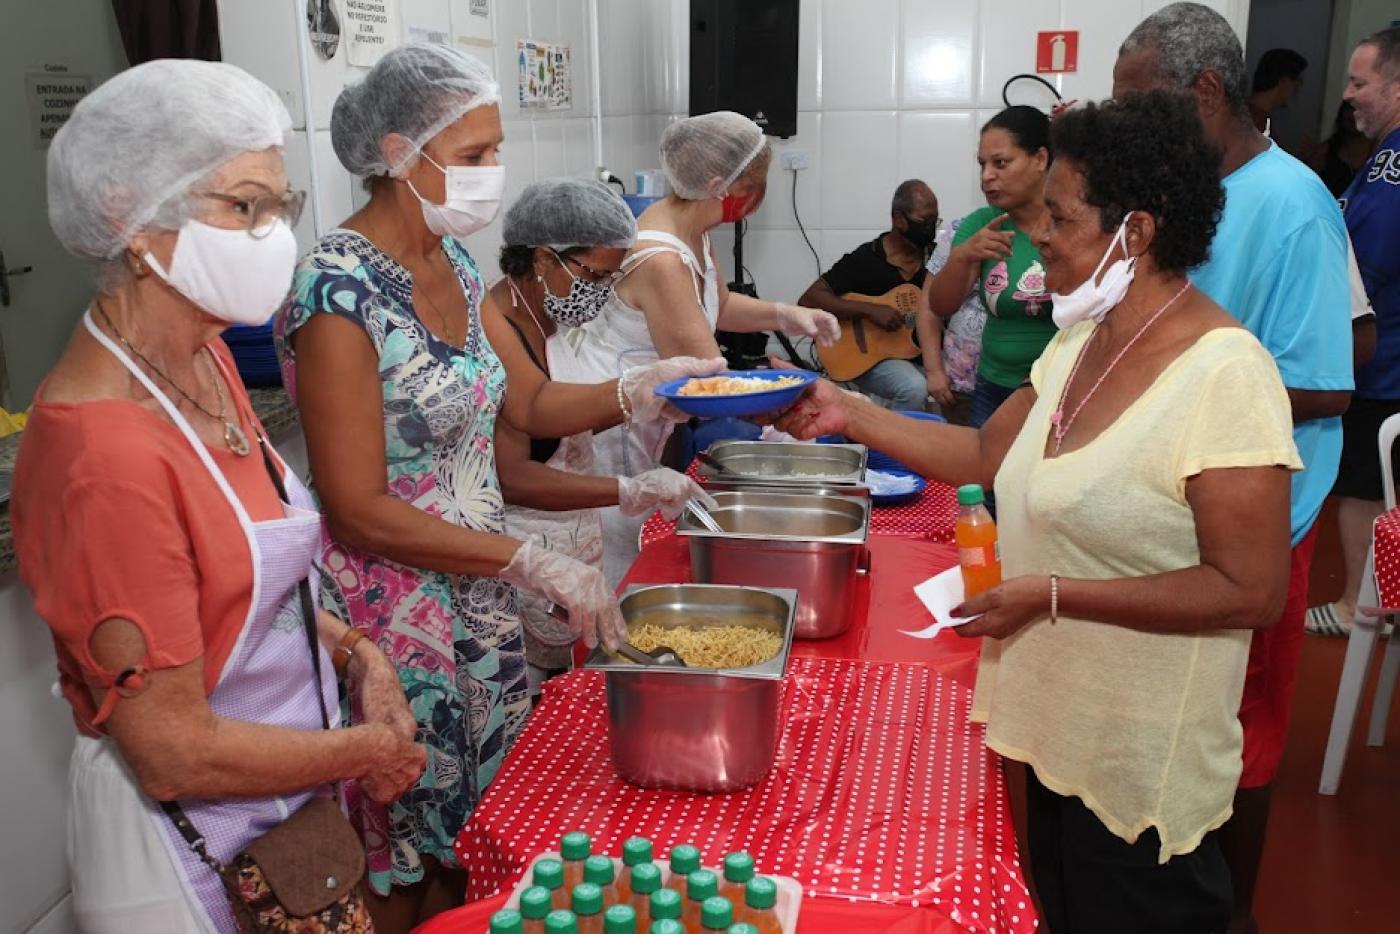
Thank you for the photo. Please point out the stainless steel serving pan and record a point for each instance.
(768, 463)
(812, 539)
(697, 729)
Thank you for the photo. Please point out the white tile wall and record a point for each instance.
(259, 35)
(887, 90)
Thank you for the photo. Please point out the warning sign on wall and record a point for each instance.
(52, 97)
(371, 29)
(1057, 52)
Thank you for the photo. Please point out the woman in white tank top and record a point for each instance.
(671, 299)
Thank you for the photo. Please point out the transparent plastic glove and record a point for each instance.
(639, 381)
(575, 586)
(800, 321)
(662, 489)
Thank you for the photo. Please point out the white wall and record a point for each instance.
(1352, 21)
(264, 37)
(887, 90)
(1304, 26)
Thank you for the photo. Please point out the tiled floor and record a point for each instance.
(1332, 864)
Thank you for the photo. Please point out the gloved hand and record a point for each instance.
(638, 382)
(580, 589)
(662, 489)
(799, 321)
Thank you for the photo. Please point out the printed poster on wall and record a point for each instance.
(546, 80)
(371, 29)
(52, 97)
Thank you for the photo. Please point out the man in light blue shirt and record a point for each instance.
(1279, 264)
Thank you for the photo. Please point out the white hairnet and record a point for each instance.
(569, 212)
(715, 145)
(414, 91)
(135, 147)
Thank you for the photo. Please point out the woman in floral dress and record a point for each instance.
(399, 366)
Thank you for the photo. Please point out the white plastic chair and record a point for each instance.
(1361, 644)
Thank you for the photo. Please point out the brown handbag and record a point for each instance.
(302, 876)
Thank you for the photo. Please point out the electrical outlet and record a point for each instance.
(794, 159)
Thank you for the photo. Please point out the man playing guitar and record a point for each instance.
(886, 348)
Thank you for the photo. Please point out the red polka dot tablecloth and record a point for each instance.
(882, 791)
(1387, 559)
(931, 515)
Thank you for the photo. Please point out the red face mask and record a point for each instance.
(735, 208)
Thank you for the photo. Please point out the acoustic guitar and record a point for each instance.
(864, 343)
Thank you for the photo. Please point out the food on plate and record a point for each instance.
(734, 385)
(710, 642)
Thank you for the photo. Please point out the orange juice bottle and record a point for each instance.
(666, 905)
(685, 859)
(600, 871)
(575, 847)
(646, 881)
(738, 870)
(561, 922)
(506, 922)
(620, 919)
(699, 885)
(760, 906)
(635, 852)
(976, 537)
(717, 914)
(588, 908)
(549, 874)
(536, 903)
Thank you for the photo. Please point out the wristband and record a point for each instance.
(345, 651)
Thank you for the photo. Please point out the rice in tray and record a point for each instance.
(734, 385)
(710, 646)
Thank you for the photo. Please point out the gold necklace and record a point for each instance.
(234, 437)
(442, 319)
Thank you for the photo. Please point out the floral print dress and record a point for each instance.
(456, 640)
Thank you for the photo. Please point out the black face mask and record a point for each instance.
(921, 233)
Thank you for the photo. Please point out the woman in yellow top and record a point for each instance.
(1142, 483)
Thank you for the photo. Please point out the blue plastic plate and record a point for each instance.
(750, 403)
(897, 499)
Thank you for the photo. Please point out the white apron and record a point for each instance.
(132, 871)
(603, 349)
(577, 533)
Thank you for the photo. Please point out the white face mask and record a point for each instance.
(473, 199)
(231, 274)
(1094, 299)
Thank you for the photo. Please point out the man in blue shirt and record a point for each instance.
(1372, 208)
(1279, 264)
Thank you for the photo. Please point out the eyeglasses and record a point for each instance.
(263, 211)
(599, 277)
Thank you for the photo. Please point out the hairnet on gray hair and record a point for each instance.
(414, 91)
(697, 150)
(563, 213)
(133, 151)
(1189, 39)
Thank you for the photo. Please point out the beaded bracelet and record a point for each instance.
(622, 404)
(1054, 598)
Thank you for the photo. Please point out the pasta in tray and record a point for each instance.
(734, 385)
(716, 646)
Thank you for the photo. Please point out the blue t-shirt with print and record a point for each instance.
(1279, 264)
(1372, 208)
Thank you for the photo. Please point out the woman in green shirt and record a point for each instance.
(993, 252)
